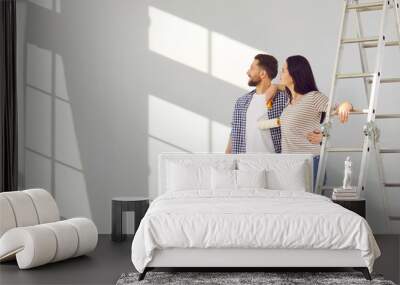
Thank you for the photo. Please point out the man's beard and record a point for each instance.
(254, 82)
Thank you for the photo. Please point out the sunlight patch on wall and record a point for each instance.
(199, 48)
(60, 82)
(66, 142)
(70, 187)
(178, 39)
(230, 59)
(177, 125)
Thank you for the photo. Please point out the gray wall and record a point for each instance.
(107, 85)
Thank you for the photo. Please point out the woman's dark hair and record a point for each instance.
(303, 78)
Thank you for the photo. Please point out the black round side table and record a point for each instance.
(139, 205)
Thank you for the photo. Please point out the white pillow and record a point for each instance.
(292, 178)
(223, 179)
(184, 177)
(189, 173)
(282, 174)
(251, 178)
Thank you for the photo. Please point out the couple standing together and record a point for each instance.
(281, 118)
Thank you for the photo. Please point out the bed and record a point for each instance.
(247, 210)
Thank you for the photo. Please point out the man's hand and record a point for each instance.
(315, 137)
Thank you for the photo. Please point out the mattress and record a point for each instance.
(250, 218)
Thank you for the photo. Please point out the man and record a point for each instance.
(264, 102)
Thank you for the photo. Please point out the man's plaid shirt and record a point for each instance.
(238, 124)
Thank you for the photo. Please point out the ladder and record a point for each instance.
(372, 82)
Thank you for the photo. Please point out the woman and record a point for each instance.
(300, 120)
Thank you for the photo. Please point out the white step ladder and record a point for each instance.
(372, 82)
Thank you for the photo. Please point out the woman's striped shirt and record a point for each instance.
(301, 118)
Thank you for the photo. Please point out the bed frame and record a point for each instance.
(240, 259)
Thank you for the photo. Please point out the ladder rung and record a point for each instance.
(392, 184)
(352, 113)
(359, 112)
(377, 116)
(390, 150)
(373, 6)
(359, 40)
(354, 149)
(387, 116)
(375, 44)
(344, 149)
(388, 80)
(354, 75)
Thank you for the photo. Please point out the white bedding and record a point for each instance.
(250, 218)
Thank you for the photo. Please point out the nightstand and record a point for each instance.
(357, 205)
(138, 205)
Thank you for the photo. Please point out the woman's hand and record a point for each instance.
(315, 137)
(270, 92)
(343, 111)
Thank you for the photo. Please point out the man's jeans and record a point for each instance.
(315, 171)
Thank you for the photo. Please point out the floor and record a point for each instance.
(102, 266)
(110, 260)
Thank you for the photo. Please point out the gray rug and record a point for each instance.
(225, 278)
